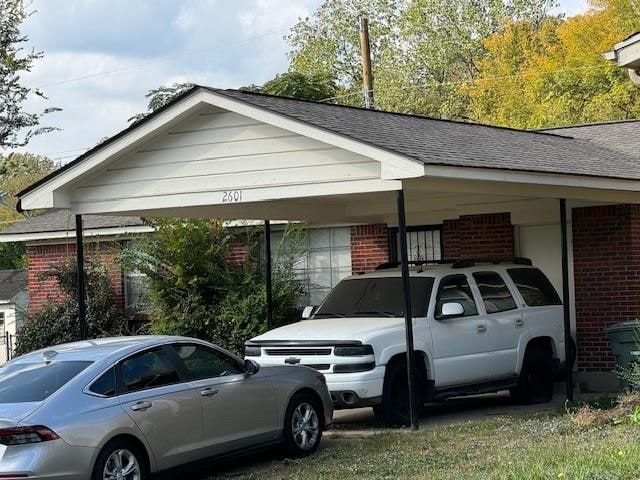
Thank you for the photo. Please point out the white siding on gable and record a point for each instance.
(217, 152)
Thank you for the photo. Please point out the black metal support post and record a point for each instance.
(568, 341)
(408, 318)
(82, 306)
(267, 272)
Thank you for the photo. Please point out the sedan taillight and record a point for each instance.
(24, 435)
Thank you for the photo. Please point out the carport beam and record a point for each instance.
(267, 272)
(408, 318)
(82, 307)
(568, 351)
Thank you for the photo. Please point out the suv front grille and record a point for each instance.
(297, 351)
(319, 366)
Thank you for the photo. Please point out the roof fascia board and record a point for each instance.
(64, 234)
(45, 196)
(394, 166)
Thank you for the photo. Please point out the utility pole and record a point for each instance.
(365, 55)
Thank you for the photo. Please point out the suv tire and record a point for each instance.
(394, 409)
(535, 384)
(302, 426)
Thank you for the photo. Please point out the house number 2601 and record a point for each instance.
(232, 196)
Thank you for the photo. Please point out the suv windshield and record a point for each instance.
(376, 297)
(34, 382)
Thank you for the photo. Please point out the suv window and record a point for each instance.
(534, 286)
(105, 385)
(376, 297)
(495, 293)
(455, 288)
(203, 362)
(148, 369)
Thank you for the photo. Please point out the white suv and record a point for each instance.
(479, 326)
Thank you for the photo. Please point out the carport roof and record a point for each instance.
(427, 140)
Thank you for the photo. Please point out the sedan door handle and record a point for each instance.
(136, 407)
(481, 329)
(207, 392)
(519, 323)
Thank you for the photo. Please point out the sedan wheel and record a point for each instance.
(305, 426)
(122, 465)
(302, 426)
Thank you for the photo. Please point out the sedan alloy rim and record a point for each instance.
(122, 465)
(305, 426)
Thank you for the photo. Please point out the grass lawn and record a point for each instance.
(541, 447)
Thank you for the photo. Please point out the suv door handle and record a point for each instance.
(207, 392)
(481, 329)
(140, 406)
(519, 323)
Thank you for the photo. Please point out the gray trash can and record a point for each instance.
(624, 338)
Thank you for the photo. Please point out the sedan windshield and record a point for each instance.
(34, 382)
(376, 297)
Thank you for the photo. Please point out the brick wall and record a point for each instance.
(369, 247)
(490, 235)
(43, 289)
(606, 255)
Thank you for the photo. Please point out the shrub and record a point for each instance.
(195, 289)
(57, 322)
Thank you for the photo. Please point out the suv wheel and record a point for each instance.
(302, 426)
(535, 384)
(394, 409)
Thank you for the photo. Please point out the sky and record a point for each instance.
(102, 56)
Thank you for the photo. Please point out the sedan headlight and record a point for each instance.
(353, 351)
(252, 351)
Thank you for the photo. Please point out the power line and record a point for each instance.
(158, 60)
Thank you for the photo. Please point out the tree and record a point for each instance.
(13, 119)
(195, 289)
(159, 97)
(58, 323)
(421, 48)
(316, 87)
(555, 74)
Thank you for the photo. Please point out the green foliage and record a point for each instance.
(293, 84)
(195, 290)
(13, 63)
(58, 322)
(159, 97)
(421, 49)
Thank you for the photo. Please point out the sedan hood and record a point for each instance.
(333, 329)
(12, 413)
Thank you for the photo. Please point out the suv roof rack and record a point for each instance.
(470, 262)
(417, 263)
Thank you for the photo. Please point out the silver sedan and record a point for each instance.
(123, 408)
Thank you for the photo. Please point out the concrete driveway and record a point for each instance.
(351, 424)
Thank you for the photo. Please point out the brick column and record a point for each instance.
(369, 247)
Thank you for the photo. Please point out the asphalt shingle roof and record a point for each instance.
(12, 282)
(62, 220)
(622, 136)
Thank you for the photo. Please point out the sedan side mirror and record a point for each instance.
(308, 311)
(451, 309)
(251, 367)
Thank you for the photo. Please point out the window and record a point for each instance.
(534, 286)
(203, 362)
(376, 297)
(105, 385)
(423, 243)
(455, 288)
(495, 293)
(34, 382)
(326, 259)
(135, 292)
(149, 369)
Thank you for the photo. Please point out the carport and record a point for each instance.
(238, 155)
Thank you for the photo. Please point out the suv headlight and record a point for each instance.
(252, 351)
(353, 351)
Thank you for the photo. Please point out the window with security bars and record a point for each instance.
(424, 243)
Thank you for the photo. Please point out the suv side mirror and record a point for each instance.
(251, 367)
(308, 312)
(452, 309)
